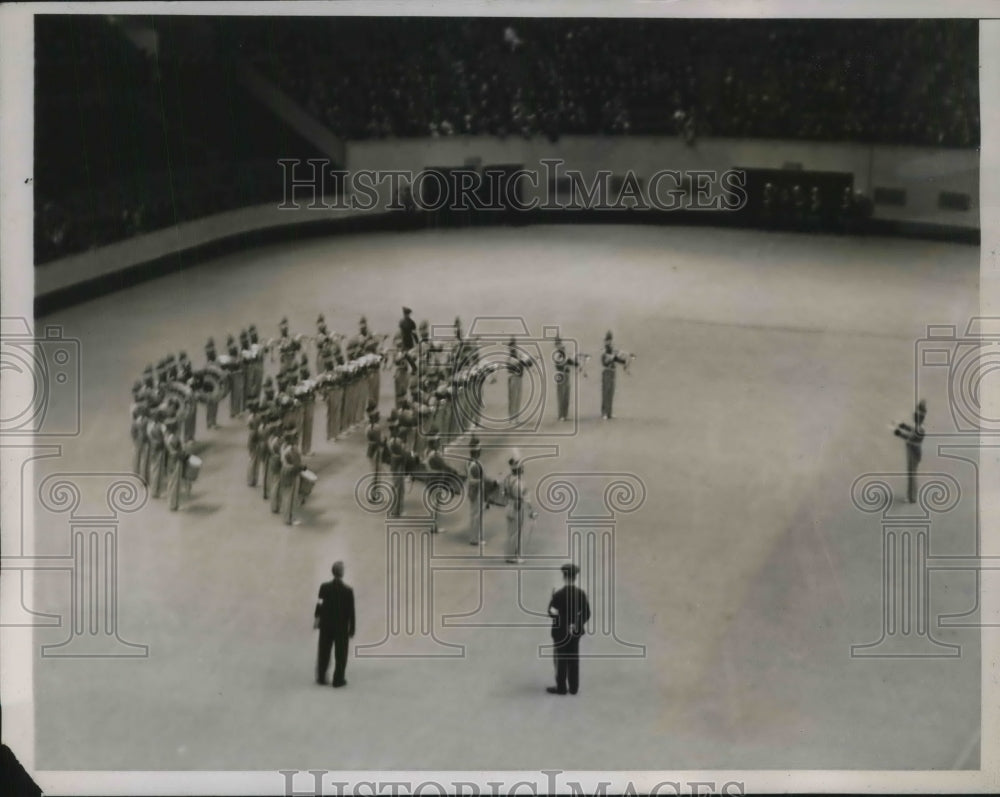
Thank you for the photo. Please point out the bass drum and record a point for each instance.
(307, 480)
(493, 492)
(214, 384)
(192, 467)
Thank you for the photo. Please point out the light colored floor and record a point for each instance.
(769, 366)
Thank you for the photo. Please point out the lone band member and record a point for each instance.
(610, 359)
(570, 612)
(334, 617)
(914, 437)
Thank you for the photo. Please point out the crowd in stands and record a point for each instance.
(884, 81)
(128, 142)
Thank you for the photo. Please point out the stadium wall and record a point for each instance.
(921, 174)
(906, 182)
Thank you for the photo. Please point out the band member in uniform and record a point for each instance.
(237, 378)
(407, 330)
(211, 405)
(334, 617)
(184, 369)
(140, 421)
(305, 392)
(443, 413)
(404, 364)
(268, 389)
(255, 429)
(333, 387)
(177, 454)
(570, 612)
(373, 367)
(136, 411)
(189, 413)
(610, 359)
(518, 510)
(156, 461)
(324, 342)
(253, 357)
(376, 443)
(516, 366)
(288, 347)
(274, 446)
(449, 478)
(426, 348)
(266, 441)
(481, 371)
(150, 393)
(563, 363)
(291, 467)
(914, 437)
(407, 420)
(475, 494)
(397, 464)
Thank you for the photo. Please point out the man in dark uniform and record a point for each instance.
(914, 437)
(570, 612)
(334, 617)
(408, 330)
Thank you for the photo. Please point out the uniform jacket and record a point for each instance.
(335, 608)
(571, 609)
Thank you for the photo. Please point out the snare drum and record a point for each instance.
(307, 480)
(192, 467)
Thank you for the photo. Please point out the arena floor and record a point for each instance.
(768, 368)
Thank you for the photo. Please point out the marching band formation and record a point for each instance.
(438, 388)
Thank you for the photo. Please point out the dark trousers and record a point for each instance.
(567, 656)
(338, 642)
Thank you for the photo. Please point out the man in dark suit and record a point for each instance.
(334, 617)
(570, 612)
